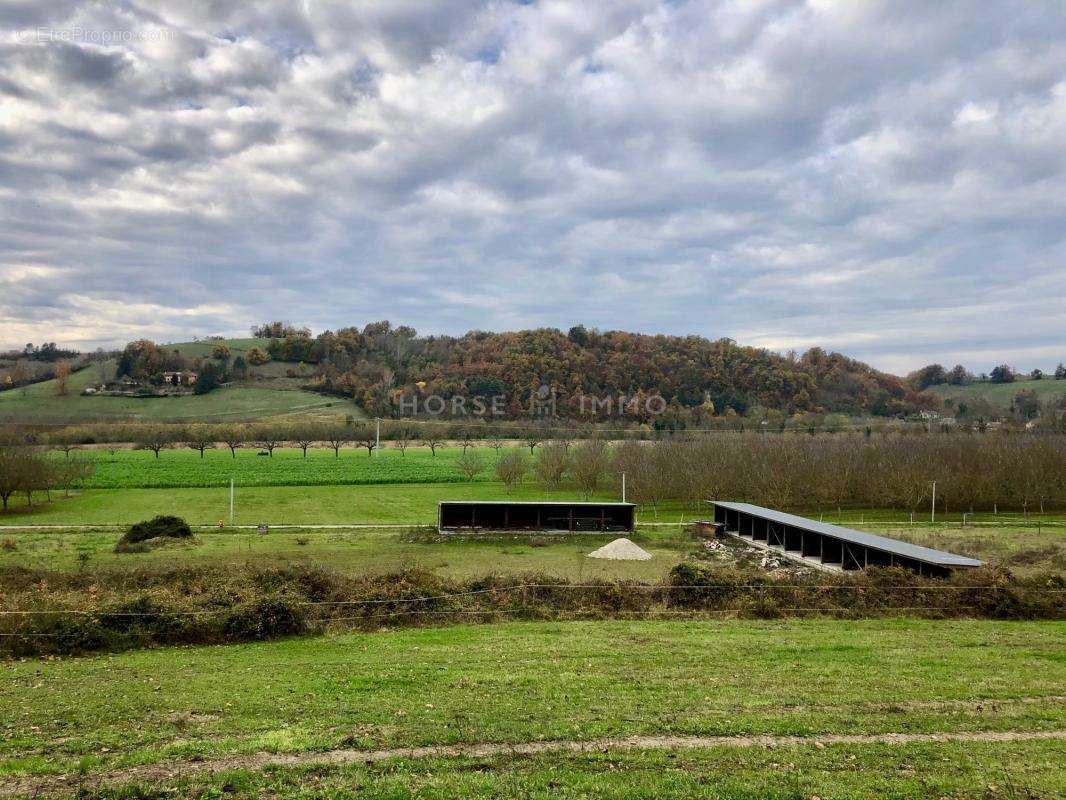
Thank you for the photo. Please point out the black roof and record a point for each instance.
(533, 503)
(894, 546)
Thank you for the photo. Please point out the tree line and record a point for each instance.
(27, 471)
(972, 472)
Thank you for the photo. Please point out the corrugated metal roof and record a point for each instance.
(530, 503)
(895, 546)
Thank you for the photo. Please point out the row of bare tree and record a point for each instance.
(27, 470)
(972, 473)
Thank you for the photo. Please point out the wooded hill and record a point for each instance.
(381, 366)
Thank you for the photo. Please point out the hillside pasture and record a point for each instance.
(38, 403)
(1000, 394)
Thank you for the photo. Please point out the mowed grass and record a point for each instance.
(518, 682)
(375, 504)
(182, 467)
(835, 772)
(356, 552)
(1022, 547)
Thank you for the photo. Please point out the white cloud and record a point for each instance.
(880, 178)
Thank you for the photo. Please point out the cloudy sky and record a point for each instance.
(881, 178)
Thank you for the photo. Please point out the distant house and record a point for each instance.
(182, 378)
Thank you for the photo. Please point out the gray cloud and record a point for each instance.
(882, 178)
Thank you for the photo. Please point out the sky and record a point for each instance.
(885, 179)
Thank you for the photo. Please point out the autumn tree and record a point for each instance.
(61, 378)
(256, 356)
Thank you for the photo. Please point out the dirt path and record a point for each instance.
(48, 786)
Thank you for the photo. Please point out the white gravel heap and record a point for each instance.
(621, 550)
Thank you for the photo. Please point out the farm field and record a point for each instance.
(38, 402)
(365, 551)
(1001, 394)
(189, 709)
(372, 504)
(354, 552)
(122, 469)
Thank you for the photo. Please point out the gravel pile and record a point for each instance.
(621, 550)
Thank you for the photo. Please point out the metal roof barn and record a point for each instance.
(833, 545)
(534, 516)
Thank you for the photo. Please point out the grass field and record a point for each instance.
(363, 551)
(356, 552)
(550, 681)
(1001, 394)
(182, 467)
(1023, 546)
(38, 402)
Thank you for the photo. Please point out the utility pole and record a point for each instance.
(932, 516)
(231, 501)
(623, 487)
(377, 435)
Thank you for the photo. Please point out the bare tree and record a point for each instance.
(200, 437)
(303, 436)
(234, 437)
(551, 465)
(267, 438)
(469, 464)
(432, 438)
(365, 436)
(466, 439)
(155, 438)
(511, 468)
(402, 436)
(590, 463)
(336, 437)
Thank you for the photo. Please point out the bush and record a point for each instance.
(161, 526)
(267, 618)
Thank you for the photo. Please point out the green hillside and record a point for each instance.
(270, 395)
(1000, 394)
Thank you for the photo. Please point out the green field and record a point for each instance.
(529, 682)
(182, 467)
(391, 504)
(1000, 394)
(244, 402)
(364, 551)
(1023, 546)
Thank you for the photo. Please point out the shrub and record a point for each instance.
(266, 618)
(161, 526)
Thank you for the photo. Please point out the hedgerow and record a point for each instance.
(51, 612)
